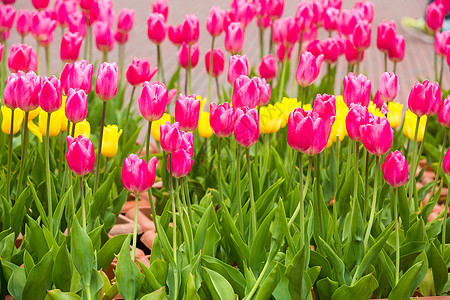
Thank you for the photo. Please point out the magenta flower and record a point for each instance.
(234, 38)
(268, 67)
(70, 47)
(425, 98)
(107, 81)
(77, 76)
(356, 89)
(171, 137)
(153, 100)
(246, 130)
(139, 71)
(246, 92)
(377, 135)
(395, 169)
(76, 108)
(50, 96)
(222, 119)
(214, 22)
(80, 155)
(218, 62)
(137, 176)
(237, 66)
(444, 113)
(156, 29)
(187, 111)
(388, 86)
(308, 69)
(357, 115)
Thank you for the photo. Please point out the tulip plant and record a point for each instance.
(254, 194)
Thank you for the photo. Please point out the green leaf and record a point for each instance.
(361, 290)
(102, 198)
(409, 282)
(438, 267)
(217, 285)
(269, 284)
(267, 199)
(428, 208)
(82, 252)
(38, 204)
(129, 278)
(39, 279)
(404, 207)
(106, 254)
(58, 295)
(18, 211)
(16, 278)
(299, 282)
(191, 291)
(335, 261)
(36, 239)
(257, 249)
(326, 287)
(62, 269)
(159, 294)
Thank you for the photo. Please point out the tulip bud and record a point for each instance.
(214, 22)
(162, 7)
(410, 123)
(444, 113)
(357, 115)
(218, 62)
(27, 91)
(42, 28)
(62, 9)
(156, 29)
(377, 135)
(246, 130)
(182, 158)
(137, 176)
(153, 100)
(19, 58)
(286, 31)
(446, 163)
(441, 41)
(237, 66)
(175, 34)
(191, 30)
(183, 55)
(395, 169)
(386, 32)
(7, 13)
(77, 76)
(111, 135)
(268, 67)
(40, 4)
(246, 92)
(356, 89)
(9, 94)
(125, 20)
(6, 120)
(23, 23)
(107, 81)
(435, 16)
(397, 50)
(275, 9)
(234, 38)
(269, 119)
(222, 119)
(349, 19)
(361, 36)
(139, 71)
(156, 130)
(104, 37)
(331, 19)
(187, 110)
(331, 50)
(388, 86)
(394, 115)
(425, 98)
(351, 54)
(50, 96)
(76, 107)
(170, 137)
(308, 69)
(264, 91)
(325, 107)
(70, 47)
(76, 23)
(204, 128)
(80, 155)
(55, 123)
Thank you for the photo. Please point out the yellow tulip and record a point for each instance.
(409, 127)
(394, 115)
(286, 106)
(55, 123)
(202, 102)
(34, 113)
(62, 111)
(338, 130)
(374, 110)
(156, 130)
(35, 130)
(340, 104)
(306, 107)
(269, 119)
(83, 128)
(111, 135)
(6, 120)
(204, 128)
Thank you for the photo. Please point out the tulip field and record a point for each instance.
(286, 180)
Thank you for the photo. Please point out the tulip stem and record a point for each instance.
(386, 62)
(105, 56)
(270, 39)
(397, 237)
(358, 62)
(283, 75)
(23, 158)
(261, 39)
(10, 145)
(219, 170)
(374, 203)
(366, 184)
(444, 142)
(218, 90)
(186, 78)
(47, 173)
(355, 171)
(297, 63)
(129, 106)
(38, 60)
(47, 59)
(444, 224)
(189, 70)
(121, 62)
(395, 67)
(252, 199)
(441, 72)
(300, 206)
(210, 69)
(136, 211)
(174, 213)
(160, 72)
(238, 188)
(412, 171)
(99, 151)
(83, 205)
(435, 66)
(86, 42)
(188, 199)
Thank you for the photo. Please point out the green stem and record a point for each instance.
(218, 89)
(252, 199)
(47, 59)
(210, 70)
(358, 62)
(283, 75)
(423, 142)
(238, 189)
(395, 67)
(105, 56)
(99, 151)
(219, 170)
(261, 40)
(441, 72)
(174, 212)
(160, 63)
(189, 70)
(444, 223)
(412, 172)
(10, 145)
(385, 62)
(270, 39)
(444, 142)
(435, 66)
(129, 106)
(260, 278)
(86, 40)
(303, 190)
(83, 205)
(397, 237)
(23, 158)
(147, 157)
(186, 79)
(355, 171)
(374, 203)
(136, 211)
(121, 63)
(47, 173)
(297, 63)
(366, 184)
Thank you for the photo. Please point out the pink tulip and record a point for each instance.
(125, 20)
(435, 16)
(175, 34)
(137, 176)
(441, 41)
(260, 8)
(246, 92)
(121, 38)
(386, 32)
(264, 91)
(76, 23)
(218, 62)
(76, 106)
(425, 98)
(77, 76)
(182, 158)
(50, 97)
(183, 55)
(171, 137)
(234, 38)
(156, 28)
(275, 9)
(80, 155)
(191, 30)
(153, 100)
(444, 113)
(237, 66)
(304, 15)
(19, 57)
(214, 22)
(395, 169)
(87, 5)
(348, 22)
(335, 3)
(377, 135)
(397, 51)
(243, 12)
(325, 107)
(357, 115)
(315, 48)
(139, 71)
(104, 37)
(331, 50)
(351, 54)
(222, 119)
(42, 28)
(388, 86)
(331, 19)
(23, 23)
(308, 69)
(361, 36)
(366, 8)
(9, 94)
(70, 47)
(446, 163)
(306, 132)
(268, 67)
(246, 129)
(318, 8)
(7, 15)
(377, 100)
(286, 31)
(107, 81)
(62, 9)
(161, 7)
(281, 52)
(264, 22)
(356, 89)
(187, 111)
(40, 4)
(27, 91)
(103, 11)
